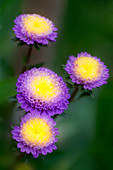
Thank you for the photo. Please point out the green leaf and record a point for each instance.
(69, 85)
(36, 46)
(14, 39)
(19, 108)
(67, 78)
(87, 93)
(13, 98)
(7, 88)
(42, 45)
(63, 66)
(21, 43)
(64, 115)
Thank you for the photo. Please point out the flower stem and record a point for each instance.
(25, 67)
(71, 98)
(73, 94)
(28, 56)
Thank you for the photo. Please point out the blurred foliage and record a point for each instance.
(87, 26)
(86, 128)
(7, 88)
(103, 140)
(7, 15)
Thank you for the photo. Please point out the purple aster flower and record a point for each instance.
(31, 28)
(43, 91)
(87, 70)
(36, 134)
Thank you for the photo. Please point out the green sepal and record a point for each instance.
(37, 65)
(64, 115)
(19, 108)
(86, 92)
(13, 98)
(36, 45)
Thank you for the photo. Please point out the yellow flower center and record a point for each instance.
(87, 68)
(44, 88)
(37, 25)
(36, 132)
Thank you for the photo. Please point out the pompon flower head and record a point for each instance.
(36, 134)
(43, 91)
(31, 28)
(87, 70)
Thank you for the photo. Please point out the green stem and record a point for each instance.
(25, 67)
(71, 98)
(73, 94)
(28, 56)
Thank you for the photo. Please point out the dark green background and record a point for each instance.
(86, 134)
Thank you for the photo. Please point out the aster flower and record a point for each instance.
(36, 134)
(31, 28)
(43, 91)
(87, 70)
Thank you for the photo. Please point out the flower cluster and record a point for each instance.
(42, 93)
